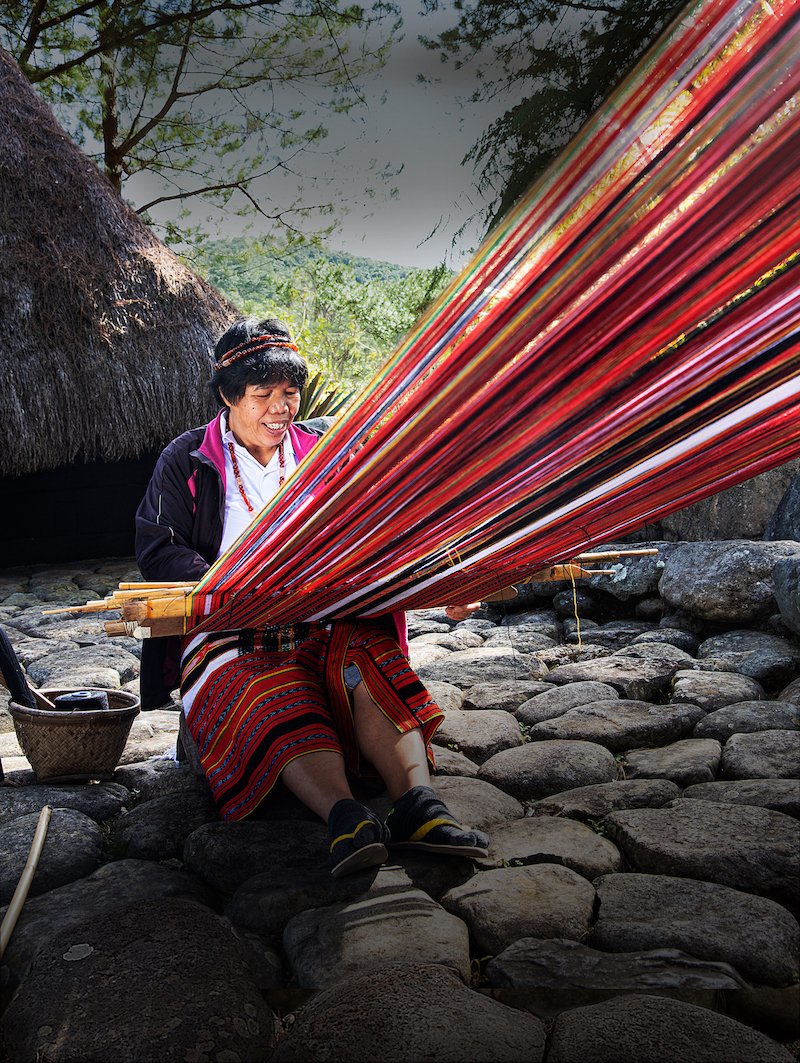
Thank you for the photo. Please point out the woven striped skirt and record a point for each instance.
(251, 712)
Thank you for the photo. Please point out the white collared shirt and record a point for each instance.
(260, 483)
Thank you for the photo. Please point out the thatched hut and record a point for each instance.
(105, 340)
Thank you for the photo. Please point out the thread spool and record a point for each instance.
(82, 701)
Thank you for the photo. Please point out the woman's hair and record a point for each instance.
(255, 352)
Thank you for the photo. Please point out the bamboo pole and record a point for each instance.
(24, 884)
(154, 608)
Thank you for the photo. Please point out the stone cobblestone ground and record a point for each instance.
(639, 779)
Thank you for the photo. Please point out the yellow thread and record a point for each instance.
(575, 606)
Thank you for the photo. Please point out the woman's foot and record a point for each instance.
(419, 820)
(356, 837)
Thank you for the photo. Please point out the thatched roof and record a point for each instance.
(105, 336)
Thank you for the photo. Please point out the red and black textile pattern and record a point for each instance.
(253, 715)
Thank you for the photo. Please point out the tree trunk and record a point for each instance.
(112, 160)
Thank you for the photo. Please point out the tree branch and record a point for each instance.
(172, 97)
(33, 32)
(143, 30)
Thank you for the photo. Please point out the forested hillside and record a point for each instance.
(346, 312)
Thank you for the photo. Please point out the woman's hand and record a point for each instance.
(462, 612)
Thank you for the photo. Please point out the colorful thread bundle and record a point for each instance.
(624, 343)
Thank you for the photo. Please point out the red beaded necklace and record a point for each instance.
(238, 475)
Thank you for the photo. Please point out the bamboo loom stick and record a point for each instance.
(25, 879)
(151, 609)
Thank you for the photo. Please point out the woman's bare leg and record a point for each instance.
(318, 779)
(399, 758)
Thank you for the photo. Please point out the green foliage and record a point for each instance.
(558, 58)
(346, 313)
(201, 95)
(322, 397)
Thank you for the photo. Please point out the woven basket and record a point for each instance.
(75, 746)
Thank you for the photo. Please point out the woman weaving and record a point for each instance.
(308, 705)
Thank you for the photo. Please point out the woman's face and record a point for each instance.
(261, 417)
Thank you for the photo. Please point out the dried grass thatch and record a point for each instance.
(105, 336)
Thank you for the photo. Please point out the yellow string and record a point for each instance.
(575, 606)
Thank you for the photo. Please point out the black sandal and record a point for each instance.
(419, 820)
(357, 838)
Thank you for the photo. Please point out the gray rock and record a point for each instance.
(659, 1030)
(6, 722)
(429, 872)
(762, 755)
(30, 650)
(98, 801)
(452, 640)
(72, 849)
(784, 523)
(631, 677)
(659, 652)
(83, 666)
(263, 962)
(559, 964)
(476, 803)
(227, 854)
(649, 609)
(521, 638)
(545, 621)
(729, 581)
(265, 903)
(158, 829)
(561, 655)
(446, 696)
(634, 577)
(489, 664)
(684, 640)
(420, 655)
(367, 1017)
(112, 886)
(198, 1009)
(327, 945)
(557, 700)
(758, 937)
(791, 692)
(748, 848)
(747, 717)
(539, 769)
(786, 579)
(475, 623)
(479, 734)
(157, 778)
(618, 724)
(596, 802)
(688, 761)
(769, 659)
(553, 840)
(680, 620)
(614, 635)
(449, 762)
(541, 900)
(504, 697)
(152, 734)
(714, 690)
(780, 795)
(577, 600)
(418, 625)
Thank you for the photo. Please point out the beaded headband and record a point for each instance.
(253, 346)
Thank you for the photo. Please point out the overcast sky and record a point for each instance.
(419, 130)
(427, 127)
